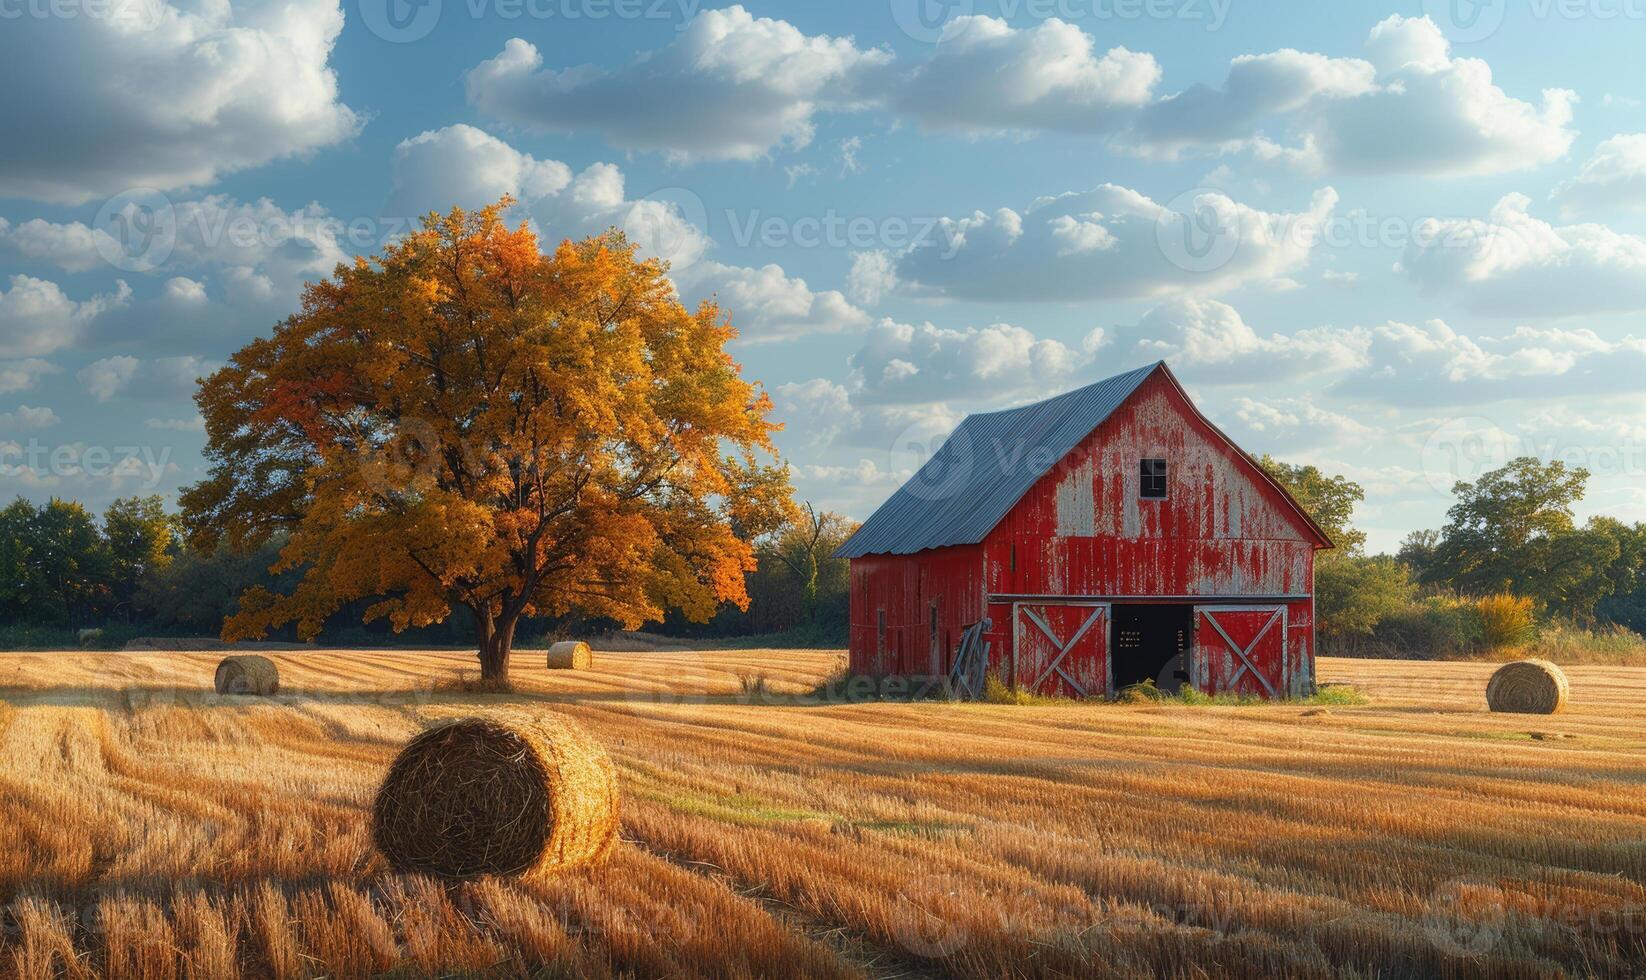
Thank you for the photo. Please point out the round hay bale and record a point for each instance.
(1528, 687)
(247, 674)
(570, 655)
(485, 796)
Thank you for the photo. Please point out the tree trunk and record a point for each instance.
(496, 642)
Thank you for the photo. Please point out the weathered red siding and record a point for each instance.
(1223, 532)
(904, 588)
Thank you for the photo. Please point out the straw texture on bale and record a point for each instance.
(247, 674)
(1528, 687)
(500, 796)
(570, 655)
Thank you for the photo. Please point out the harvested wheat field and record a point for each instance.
(149, 827)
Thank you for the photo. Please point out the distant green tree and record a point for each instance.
(1417, 551)
(1625, 598)
(1330, 500)
(69, 563)
(1355, 593)
(193, 593)
(20, 588)
(1513, 531)
(803, 550)
(142, 539)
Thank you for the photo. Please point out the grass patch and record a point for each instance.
(1336, 695)
(737, 808)
(995, 692)
(743, 810)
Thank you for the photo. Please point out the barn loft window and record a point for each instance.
(1152, 479)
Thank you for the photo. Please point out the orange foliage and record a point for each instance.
(467, 421)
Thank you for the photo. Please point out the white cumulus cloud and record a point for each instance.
(1514, 264)
(1409, 107)
(730, 86)
(1613, 179)
(173, 96)
(1111, 243)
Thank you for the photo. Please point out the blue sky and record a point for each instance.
(1403, 242)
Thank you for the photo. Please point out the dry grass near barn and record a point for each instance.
(149, 828)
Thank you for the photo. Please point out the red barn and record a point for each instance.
(1110, 535)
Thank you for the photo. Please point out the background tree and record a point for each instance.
(1512, 531)
(805, 547)
(1625, 601)
(1353, 595)
(468, 422)
(1330, 500)
(1417, 551)
(67, 560)
(195, 593)
(141, 541)
(21, 592)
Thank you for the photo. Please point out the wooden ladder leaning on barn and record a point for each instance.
(971, 662)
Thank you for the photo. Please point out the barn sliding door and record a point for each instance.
(1061, 649)
(1241, 650)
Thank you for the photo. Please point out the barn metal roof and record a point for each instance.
(984, 468)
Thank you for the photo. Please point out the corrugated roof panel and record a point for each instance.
(984, 468)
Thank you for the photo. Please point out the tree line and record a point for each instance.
(131, 571)
(1510, 533)
(1510, 556)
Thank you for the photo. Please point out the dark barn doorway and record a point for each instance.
(1151, 643)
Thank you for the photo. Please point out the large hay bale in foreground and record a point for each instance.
(570, 655)
(1528, 687)
(247, 674)
(497, 796)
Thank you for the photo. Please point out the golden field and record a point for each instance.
(149, 828)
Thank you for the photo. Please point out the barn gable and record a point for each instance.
(993, 460)
(984, 468)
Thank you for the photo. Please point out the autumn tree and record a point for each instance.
(466, 421)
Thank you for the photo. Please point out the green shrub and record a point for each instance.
(1434, 628)
(1354, 594)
